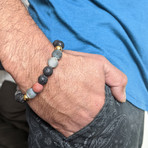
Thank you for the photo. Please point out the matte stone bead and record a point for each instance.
(30, 93)
(53, 62)
(57, 54)
(42, 79)
(47, 71)
(19, 97)
(37, 88)
(58, 43)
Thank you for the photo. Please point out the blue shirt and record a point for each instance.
(116, 29)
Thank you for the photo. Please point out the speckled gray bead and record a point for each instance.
(30, 93)
(57, 54)
(19, 97)
(53, 62)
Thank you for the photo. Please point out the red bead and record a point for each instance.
(37, 87)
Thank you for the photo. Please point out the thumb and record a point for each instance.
(116, 79)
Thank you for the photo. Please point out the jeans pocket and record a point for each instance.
(45, 133)
(89, 128)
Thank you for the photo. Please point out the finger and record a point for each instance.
(116, 79)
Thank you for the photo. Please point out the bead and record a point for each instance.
(58, 43)
(25, 98)
(42, 79)
(47, 71)
(57, 54)
(37, 88)
(19, 97)
(30, 93)
(53, 62)
(58, 48)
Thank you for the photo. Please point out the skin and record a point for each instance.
(74, 94)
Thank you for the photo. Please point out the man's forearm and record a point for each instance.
(22, 42)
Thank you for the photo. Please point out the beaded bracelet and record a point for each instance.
(42, 79)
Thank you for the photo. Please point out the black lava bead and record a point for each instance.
(47, 71)
(19, 97)
(58, 43)
(42, 79)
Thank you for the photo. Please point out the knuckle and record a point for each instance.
(101, 58)
(124, 80)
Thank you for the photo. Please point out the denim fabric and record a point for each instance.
(117, 125)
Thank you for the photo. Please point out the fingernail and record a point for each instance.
(124, 97)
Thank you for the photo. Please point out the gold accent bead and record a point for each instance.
(26, 98)
(58, 48)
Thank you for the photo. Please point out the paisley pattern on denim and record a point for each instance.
(117, 125)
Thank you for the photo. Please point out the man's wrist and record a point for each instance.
(24, 49)
(25, 55)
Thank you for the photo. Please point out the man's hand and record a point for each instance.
(74, 93)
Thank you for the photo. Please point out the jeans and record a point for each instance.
(117, 125)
